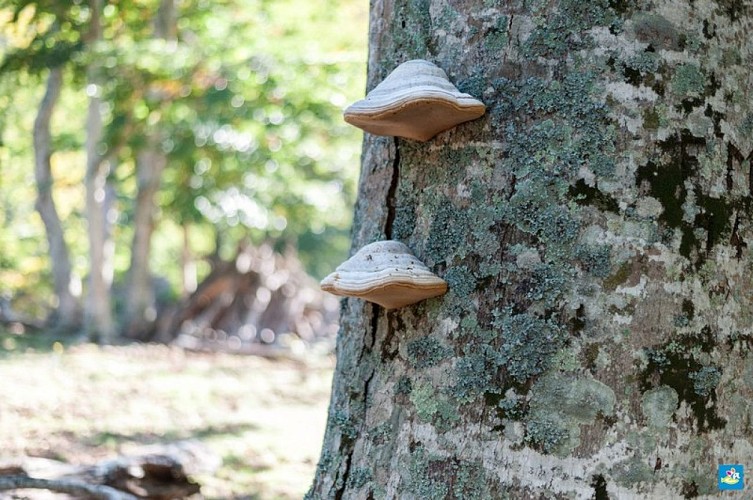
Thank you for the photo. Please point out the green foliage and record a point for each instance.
(56, 33)
(246, 104)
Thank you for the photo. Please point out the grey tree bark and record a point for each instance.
(150, 163)
(140, 298)
(67, 314)
(593, 228)
(98, 316)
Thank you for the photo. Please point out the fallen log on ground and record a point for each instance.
(161, 475)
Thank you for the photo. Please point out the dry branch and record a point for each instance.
(98, 492)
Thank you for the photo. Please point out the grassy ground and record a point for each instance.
(262, 420)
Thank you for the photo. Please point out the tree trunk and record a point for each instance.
(98, 311)
(166, 21)
(187, 265)
(593, 231)
(140, 298)
(67, 314)
(151, 162)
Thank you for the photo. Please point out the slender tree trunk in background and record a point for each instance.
(67, 315)
(151, 162)
(166, 21)
(187, 265)
(593, 228)
(140, 299)
(99, 321)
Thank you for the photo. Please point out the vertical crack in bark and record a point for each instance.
(391, 202)
(509, 30)
(735, 239)
(341, 490)
(730, 170)
(388, 350)
(347, 446)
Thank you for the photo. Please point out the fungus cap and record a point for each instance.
(416, 101)
(386, 273)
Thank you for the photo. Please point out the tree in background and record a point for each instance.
(98, 319)
(50, 52)
(140, 307)
(594, 228)
(68, 310)
(247, 136)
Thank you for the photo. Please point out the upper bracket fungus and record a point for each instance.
(387, 273)
(416, 101)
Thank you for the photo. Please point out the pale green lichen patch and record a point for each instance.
(562, 30)
(529, 343)
(474, 373)
(427, 351)
(497, 36)
(705, 380)
(595, 259)
(560, 404)
(677, 364)
(359, 477)
(412, 28)
(434, 476)
(632, 471)
(658, 406)
(432, 406)
(688, 80)
(423, 397)
(657, 31)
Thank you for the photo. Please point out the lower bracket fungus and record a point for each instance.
(386, 273)
(416, 101)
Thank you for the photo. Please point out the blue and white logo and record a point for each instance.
(731, 477)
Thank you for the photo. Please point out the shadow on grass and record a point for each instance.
(14, 342)
(112, 439)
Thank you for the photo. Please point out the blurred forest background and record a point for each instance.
(166, 164)
(174, 171)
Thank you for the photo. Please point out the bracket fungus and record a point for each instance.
(416, 101)
(387, 273)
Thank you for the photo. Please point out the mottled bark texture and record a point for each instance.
(67, 314)
(593, 228)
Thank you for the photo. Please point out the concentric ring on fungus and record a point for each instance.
(386, 273)
(416, 101)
